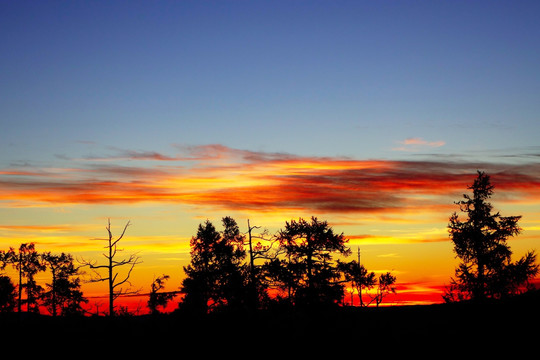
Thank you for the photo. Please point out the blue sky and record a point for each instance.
(351, 78)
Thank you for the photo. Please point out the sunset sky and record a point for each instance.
(372, 115)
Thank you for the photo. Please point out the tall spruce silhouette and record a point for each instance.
(480, 242)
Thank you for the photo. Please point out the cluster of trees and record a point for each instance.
(298, 269)
(301, 268)
(303, 264)
(61, 296)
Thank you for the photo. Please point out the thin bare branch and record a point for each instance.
(115, 289)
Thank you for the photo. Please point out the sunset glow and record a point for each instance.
(395, 212)
(267, 113)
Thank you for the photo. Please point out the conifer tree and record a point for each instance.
(64, 293)
(310, 247)
(215, 276)
(27, 262)
(480, 242)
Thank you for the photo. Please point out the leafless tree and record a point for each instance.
(264, 249)
(115, 282)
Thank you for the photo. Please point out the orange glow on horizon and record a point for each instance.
(395, 211)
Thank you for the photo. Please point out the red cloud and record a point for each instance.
(218, 176)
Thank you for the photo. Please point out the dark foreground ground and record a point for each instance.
(508, 329)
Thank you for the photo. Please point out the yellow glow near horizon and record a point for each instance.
(396, 213)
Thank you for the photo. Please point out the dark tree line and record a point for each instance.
(61, 296)
(305, 264)
(302, 265)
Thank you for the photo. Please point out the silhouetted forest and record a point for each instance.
(462, 329)
(261, 289)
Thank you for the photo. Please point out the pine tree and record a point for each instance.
(309, 247)
(215, 276)
(480, 242)
(27, 262)
(64, 293)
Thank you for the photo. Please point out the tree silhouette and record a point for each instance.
(28, 263)
(112, 268)
(281, 274)
(384, 287)
(257, 286)
(480, 242)
(311, 271)
(156, 298)
(64, 292)
(358, 276)
(8, 293)
(215, 276)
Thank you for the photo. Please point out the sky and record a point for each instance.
(372, 115)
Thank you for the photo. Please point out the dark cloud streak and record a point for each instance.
(266, 181)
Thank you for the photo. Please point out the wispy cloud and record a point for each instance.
(417, 144)
(117, 154)
(220, 177)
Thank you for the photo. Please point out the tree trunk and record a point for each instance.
(111, 281)
(20, 283)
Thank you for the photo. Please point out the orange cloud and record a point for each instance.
(222, 177)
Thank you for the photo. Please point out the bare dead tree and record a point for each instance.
(260, 250)
(264, 250)
(115, 282)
